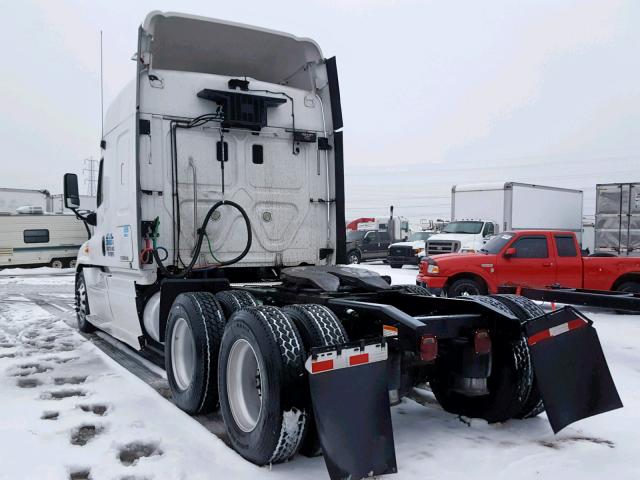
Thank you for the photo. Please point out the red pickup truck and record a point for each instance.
(531, 258)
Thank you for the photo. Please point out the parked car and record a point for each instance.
(367, 245)
(532, 258)
(409, 252)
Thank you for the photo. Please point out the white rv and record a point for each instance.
(38, 239)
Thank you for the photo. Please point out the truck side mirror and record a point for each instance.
(71, 195)
(510, 252)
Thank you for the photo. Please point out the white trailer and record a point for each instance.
(481, 210)
(87, 202)
(30, 240)
(12, 198)
(519, 206)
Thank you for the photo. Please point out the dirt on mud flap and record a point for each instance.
(573, 375)
(351, 407)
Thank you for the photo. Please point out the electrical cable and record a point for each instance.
(196, 122)
(201, 234)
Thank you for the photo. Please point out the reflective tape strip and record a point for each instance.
(322, 366)
(557, 330)
(358, 359)
(348, 357)
(389, 331)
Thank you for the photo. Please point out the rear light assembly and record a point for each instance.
(482, 342)
(428, 348)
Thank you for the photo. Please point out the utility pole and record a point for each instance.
(90, 172)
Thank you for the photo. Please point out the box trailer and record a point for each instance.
(30, 240)
(617, 227)
(87, 202)
(479, 211)
(519, 206)
(12, 198)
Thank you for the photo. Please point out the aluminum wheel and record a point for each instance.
(244, 385)
(183, 353)
(56, 263)
(353, 258)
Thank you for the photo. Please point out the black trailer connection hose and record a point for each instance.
(202, 231)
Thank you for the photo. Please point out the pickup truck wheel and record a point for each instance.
(82, 305)
(353, 257)
(466, 287)
(509, 384)
(525, 310)
(628, 287)
(194, 332)
(234, 300)
(318, 327)
(261, 379)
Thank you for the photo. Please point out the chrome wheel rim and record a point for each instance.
(353, 259)
(56, 264)
(244, 384)
(183, 354)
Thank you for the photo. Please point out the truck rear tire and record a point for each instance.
(318, 327)
(82, 305)
(262, 384)
(509, 384)
(234, 300)
(194, 332)
(417, 289)
(525, 310)
(464, 287)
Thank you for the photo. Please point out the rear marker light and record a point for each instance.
(428, 348)
(557, 330)
(482, 342)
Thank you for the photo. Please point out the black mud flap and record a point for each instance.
(351, 408)
(572, 374)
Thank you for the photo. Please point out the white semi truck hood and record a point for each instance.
(467, 241)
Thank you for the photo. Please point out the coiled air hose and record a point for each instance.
(201, 233)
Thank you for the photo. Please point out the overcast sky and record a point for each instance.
(434, 93)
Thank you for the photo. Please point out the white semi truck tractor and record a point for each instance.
(222, 161)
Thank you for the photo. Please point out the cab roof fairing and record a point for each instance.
(185, 42)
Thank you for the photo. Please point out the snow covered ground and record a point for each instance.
(68, 411)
